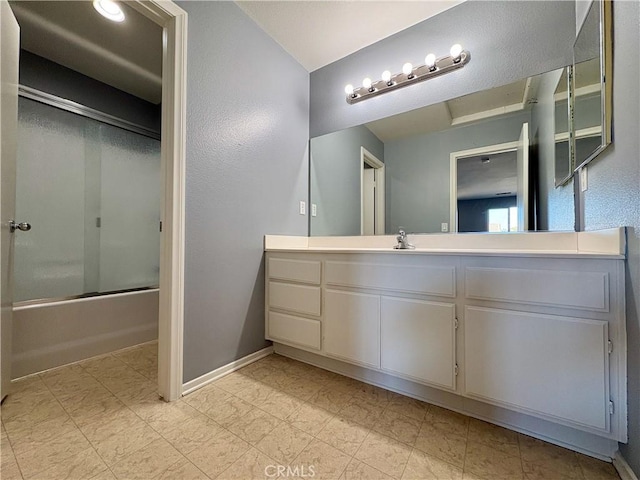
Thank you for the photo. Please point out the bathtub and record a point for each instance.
(48, 334)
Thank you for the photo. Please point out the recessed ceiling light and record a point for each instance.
(109, 9)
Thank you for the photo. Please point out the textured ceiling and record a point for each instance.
(317, 33)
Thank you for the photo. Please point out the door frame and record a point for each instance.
(173, 160)
(453, 177)
(370, 159)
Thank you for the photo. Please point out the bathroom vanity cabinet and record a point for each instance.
(542, 335)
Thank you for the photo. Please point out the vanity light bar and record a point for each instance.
(433, 67)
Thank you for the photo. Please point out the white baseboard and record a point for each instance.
(623, 468)
(207, 378)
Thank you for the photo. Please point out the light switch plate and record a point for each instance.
(314, 210)
(444, 227)
(303, 207)
(584, 181)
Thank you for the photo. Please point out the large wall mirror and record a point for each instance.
(592, 84)
(483, 162)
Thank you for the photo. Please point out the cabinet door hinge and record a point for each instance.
(455, 323)
(611, 407)
(610, 346)
(455, 369)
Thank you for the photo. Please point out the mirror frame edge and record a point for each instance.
(606, 72)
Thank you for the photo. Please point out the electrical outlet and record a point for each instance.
(584, 181)
(303, 207)
(444, 227)
(314, 210)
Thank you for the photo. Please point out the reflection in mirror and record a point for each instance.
(591, 93)
(563, 160)
(431, 158)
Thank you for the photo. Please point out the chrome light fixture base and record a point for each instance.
(420, 73)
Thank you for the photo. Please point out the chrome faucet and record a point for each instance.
(403, 241)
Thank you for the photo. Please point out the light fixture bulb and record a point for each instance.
(386, 75)
(366, 83)
(348, 89)
(456, 50)
(407, 68)
(430, 60)
(109, 9)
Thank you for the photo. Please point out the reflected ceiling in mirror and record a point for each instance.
(420, 150)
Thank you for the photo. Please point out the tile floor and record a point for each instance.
(101, 419)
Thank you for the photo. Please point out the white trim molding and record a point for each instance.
(214, 375)
(623, 468)
(173, 159)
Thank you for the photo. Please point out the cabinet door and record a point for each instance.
(352, 327)
(418, 340)
(542, 364)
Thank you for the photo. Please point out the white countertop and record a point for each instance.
(610, 243)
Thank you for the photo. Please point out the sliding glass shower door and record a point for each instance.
(91, 192)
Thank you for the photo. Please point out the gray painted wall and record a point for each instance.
(418, 170)
(247, 169)
(335, 179)
(555, 205)
(47, 76)
(508, 40)
(613, 197)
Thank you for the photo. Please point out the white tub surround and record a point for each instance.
(527, 332)
(51, 334)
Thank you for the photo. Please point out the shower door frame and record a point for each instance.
(173, 20)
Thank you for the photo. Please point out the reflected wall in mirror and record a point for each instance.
(592, 85)
(436, 176)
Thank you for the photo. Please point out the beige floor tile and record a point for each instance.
(594, 469)
(385, 454)
(206, 398)
(343, 434)
(357, 470)
(253, 465)
(95, 410)
(447, 421)
(257, 393)
(123, 380)
(163, 416)
(69, 382)
(281, 405)
(41, 434)
(371, 394)
(407, 406)
(422, 466)
(11, 472)
(148, 462)
(193, 433)
(254, 426)
(330, 399)
(183, 469)
(26, 410)
(492, 463)
(535, 452)
(494, 436)
(219, 454)
(367, 414)
(58, 450)
(445, 446)
(108, 425)
(124, 442)
(284, 443)
(322, 459)
(309, 418)
(137, 393)
(230, 411)
(235, 382)
(541, 472)
(104, 475)
(303, 388)
(141, 359)
(102, 365)
(398, 426)
(31, 384)
(85, 464)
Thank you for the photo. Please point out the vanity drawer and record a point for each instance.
(295, 298)
(428, 280)
(553, 288)
(294, 330)
(303, 271)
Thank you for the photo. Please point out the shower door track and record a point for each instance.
(79, 109)
(41, 301)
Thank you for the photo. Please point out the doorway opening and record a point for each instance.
(372, 196)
